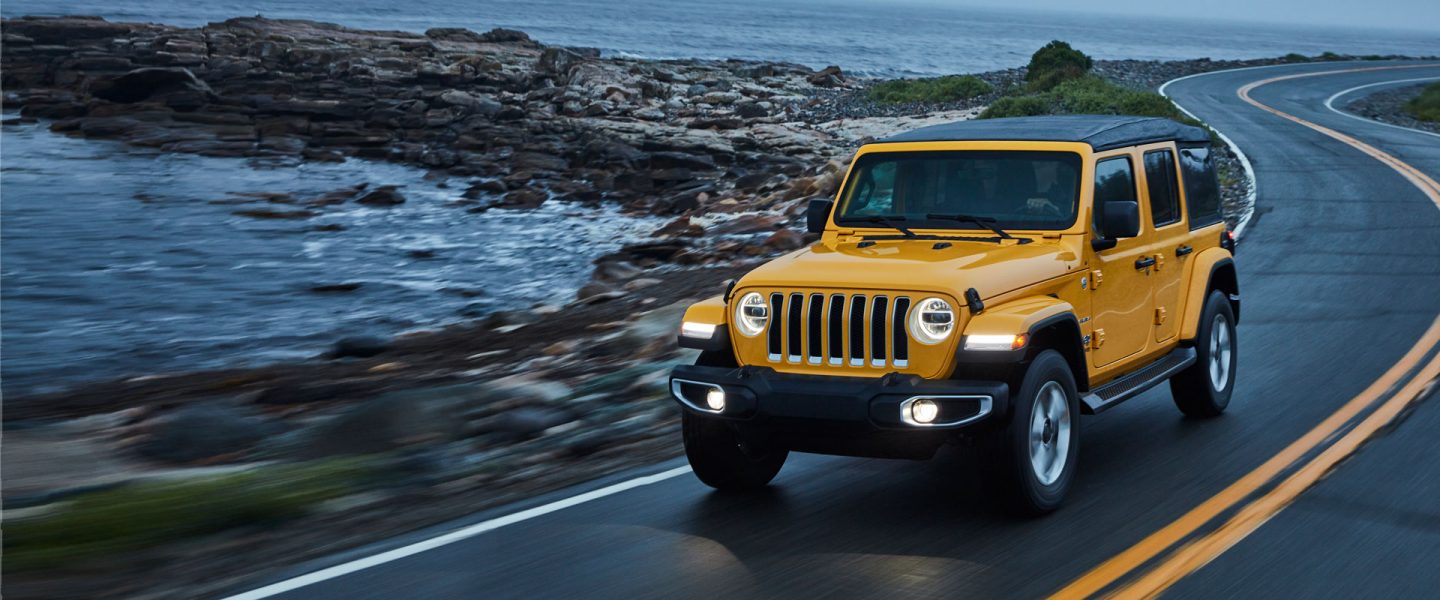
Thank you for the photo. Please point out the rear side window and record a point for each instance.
(1114, 180)
(1164, 193)
(1202, 187)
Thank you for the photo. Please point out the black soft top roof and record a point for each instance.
(1102, 132)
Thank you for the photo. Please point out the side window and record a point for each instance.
(1114, 180)
(1160, 182)
(1202, 187)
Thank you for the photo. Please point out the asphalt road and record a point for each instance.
(1340, 276)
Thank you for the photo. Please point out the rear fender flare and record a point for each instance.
(1213, 269)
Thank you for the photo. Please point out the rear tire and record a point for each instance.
(1203, 390)
(1032, 461)
(722, 460)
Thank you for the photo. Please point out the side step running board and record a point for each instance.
(1132, 384)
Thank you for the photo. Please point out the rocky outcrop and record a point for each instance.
(562, 123)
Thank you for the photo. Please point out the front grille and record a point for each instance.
(838, 329)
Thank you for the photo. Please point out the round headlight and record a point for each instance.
(751, 313)
(931, 321)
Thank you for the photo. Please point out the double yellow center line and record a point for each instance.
(1244, 519)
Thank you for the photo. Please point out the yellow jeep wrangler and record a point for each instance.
(983, 282)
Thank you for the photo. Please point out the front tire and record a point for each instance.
(723, 460)
(1032, 461)
(1203, 390)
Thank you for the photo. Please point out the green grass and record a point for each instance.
(1089, 95)
(140, 515)
(1426, 106)
(939, 89)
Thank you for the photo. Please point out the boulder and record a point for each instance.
(483, 105)
(379, 425)
(500, 35)
(785, 240)
(830, 76)
(146, 83)
(454, 34)
(360, 347)
(680, 227)
(747, 224)
(200, 432)
(524, 198)
(385, 195)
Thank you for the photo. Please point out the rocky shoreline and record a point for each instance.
(1388, 106)
(471, 416)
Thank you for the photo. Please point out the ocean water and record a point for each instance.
(120, 262)
(863, 37)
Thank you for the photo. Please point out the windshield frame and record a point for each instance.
(1075, 157)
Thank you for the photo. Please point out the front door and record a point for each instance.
(1168, 244)
(1121, 301)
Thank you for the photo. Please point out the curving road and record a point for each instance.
(1340, 271)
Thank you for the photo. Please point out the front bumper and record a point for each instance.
(839, 415)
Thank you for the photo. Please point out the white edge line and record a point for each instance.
(1244, 160)
(1330, 104)
(453, 536)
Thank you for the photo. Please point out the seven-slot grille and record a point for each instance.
(856, 330)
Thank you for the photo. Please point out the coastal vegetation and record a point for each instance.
(937, 89)
(1059, 82)
(140, 515)
(1426, 106)
(1054, 64)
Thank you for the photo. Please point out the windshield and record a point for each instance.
(1019, 190)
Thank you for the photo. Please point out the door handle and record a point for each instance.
(1145, 263)
(1183, 250)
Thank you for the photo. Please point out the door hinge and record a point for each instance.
(1098, 339)
(1095, 278)
(1160, 315)
(1159, 261)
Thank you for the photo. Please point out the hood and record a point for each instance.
(917, 265)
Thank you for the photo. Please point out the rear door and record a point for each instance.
(1168, 242)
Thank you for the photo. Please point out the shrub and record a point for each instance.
(1054, 64)
(1331, 56)
(1294, 58)
(1089, 95)
(939, 89)
(1426, 106)
(1016, 106)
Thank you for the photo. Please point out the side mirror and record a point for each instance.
(817, 214)
(1121, 219)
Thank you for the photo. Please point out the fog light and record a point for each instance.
(924, 411)
(716, 400)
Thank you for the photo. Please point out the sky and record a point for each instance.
(1383, 14)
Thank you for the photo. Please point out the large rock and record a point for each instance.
(454, 34)
(500, 35)
(362, 346)
(477, 104)
(378, 425)
(201, 432)
(385, 195)
(143, 84)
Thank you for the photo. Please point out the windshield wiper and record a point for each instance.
(986, 222)
(891, 222)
